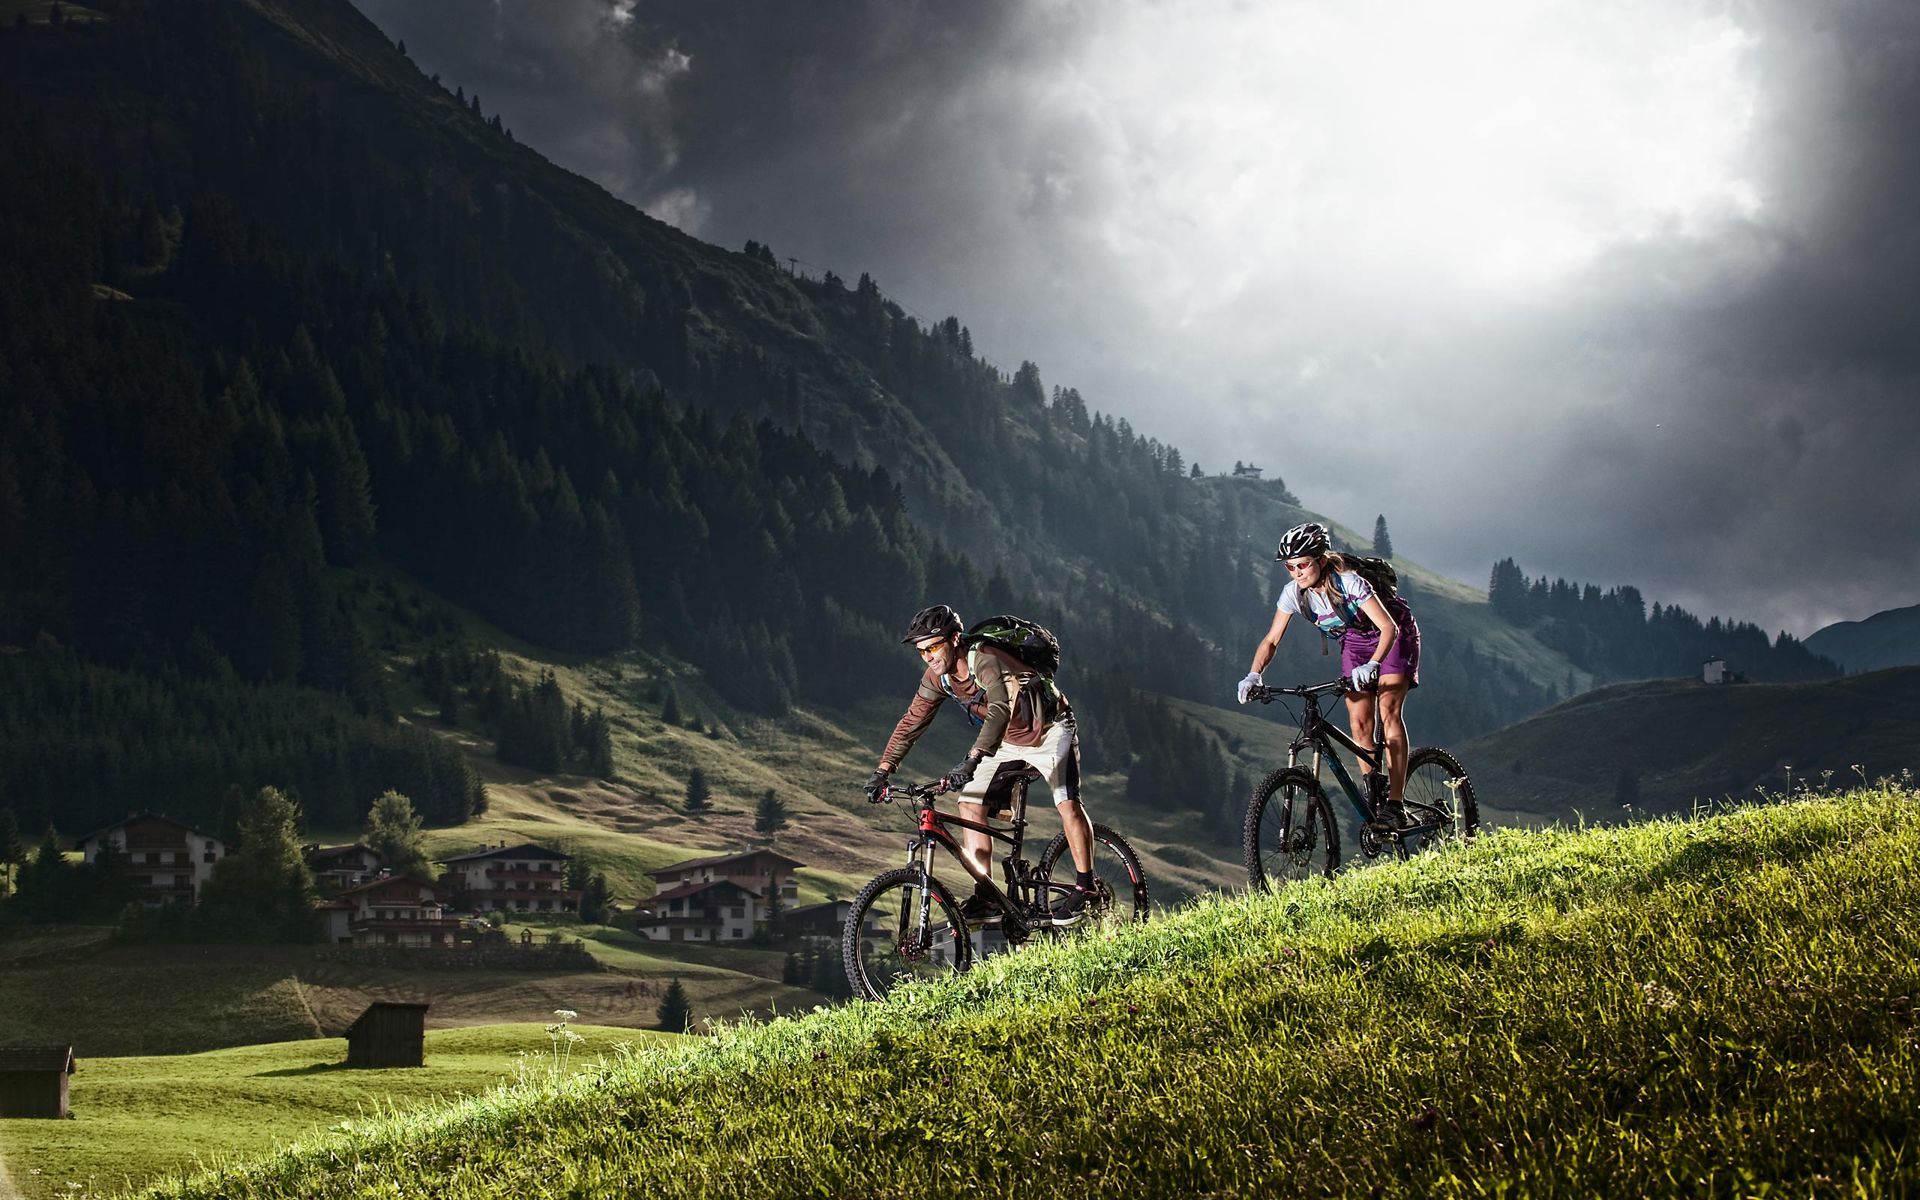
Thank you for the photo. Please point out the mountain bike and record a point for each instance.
(1290, 831)
(906, 925)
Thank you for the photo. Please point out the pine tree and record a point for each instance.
(393, 832)
(46, 881)
(263, 891)
(670, 708)
(1382, 541)
(596, 898)
(675, 1011)
(770, 815)
(699, 792)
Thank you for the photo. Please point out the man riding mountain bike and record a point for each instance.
(1026, 726)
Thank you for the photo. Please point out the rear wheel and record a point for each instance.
(903, 926)
(1116, 870)
(1289, 832)
(1439, 799)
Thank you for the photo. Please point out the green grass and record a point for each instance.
(1724, 1006)
(135, 1118)
(154, 1007)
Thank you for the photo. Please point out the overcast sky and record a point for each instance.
(1626, 291)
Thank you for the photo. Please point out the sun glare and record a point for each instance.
(1487, 145)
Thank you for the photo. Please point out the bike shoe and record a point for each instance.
(980, 909)
(1392, 815)
(1071, 904)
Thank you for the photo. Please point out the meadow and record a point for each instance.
(1717, 1006)
(135, 1118)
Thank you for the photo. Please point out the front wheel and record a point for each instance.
(1116, 870)
(1439, 798)
(1289, 833)
(904, 926)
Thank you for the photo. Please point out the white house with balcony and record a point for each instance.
(715, 910)
(719, 898)
(166, 860)
(521, 879)
(393, 910)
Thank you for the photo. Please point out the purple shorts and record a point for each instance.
(1403, 658)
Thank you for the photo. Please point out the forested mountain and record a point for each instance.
(274, 306)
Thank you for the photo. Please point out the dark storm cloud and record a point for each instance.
(1792, 390)
(1723, 414)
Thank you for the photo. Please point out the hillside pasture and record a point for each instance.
(135, 1000)
(135, 1118)
(1716, 1006)
(1683, 742)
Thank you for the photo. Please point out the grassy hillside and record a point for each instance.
(135, 1118)
(181, 999)
(1680, 741)
(815, 759)
(1708, 1007)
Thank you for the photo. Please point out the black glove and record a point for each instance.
(877, 786)
(961, 773)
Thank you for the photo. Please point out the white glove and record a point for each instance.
(1253, 680)
(1365, 676)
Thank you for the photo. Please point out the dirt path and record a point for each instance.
(7, 1190)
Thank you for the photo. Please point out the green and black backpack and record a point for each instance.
(1034, 647)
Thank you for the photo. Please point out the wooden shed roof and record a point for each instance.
(36, 1058)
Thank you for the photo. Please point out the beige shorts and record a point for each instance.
(1056, 759)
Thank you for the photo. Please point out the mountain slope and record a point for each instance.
(1595, 1013)
(244, 152)
(1886, 639)
(1661, 745)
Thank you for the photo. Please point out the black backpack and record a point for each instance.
(1378, 572)
(1030, 642)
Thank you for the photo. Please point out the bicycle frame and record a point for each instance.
(1316, 732)
(934, 831)
(1320, 734)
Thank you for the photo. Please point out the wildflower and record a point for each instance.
(566, 1014)
(1658, 996)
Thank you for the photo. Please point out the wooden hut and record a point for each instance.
(388, 1035)
(33, 1080)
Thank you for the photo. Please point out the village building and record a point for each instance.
(337, 868)
(33, 1081)
(716, 910)
(524, 878)
(719, 898)
(1715, 670)
(392, 910)
(166, 860)
(817, 922)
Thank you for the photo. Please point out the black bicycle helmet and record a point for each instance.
(938, 621)
(1304, 540)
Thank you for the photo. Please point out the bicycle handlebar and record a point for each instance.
(924, 792)
(1266, 695)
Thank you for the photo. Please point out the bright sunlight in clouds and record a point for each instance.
(1430, 148)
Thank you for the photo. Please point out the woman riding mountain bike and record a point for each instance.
(1379, 642)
